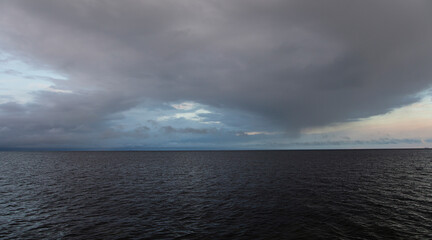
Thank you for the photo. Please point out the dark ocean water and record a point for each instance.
(361, 194)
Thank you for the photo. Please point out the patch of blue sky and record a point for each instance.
(19, 79)
(156, 116)
(188, 114)
(187, 124)
(26, 68)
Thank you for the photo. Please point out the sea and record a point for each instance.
(319, 194)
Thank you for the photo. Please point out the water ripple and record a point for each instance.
(367, 194)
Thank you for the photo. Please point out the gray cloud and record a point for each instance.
(296, 63)
(170, 129)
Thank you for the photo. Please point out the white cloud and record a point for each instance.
(192, 116)
(184, 106)
(51, 89)
(253, 133)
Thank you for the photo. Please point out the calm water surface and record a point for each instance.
(363, 194)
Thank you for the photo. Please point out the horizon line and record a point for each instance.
(194, 150)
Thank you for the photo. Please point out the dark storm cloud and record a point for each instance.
(58, 119)
(297, 63)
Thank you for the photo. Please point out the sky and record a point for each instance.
(215, 74)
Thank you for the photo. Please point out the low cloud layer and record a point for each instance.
(296, 64)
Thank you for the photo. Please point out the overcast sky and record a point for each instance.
(215, 74)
